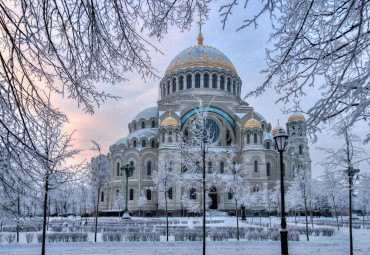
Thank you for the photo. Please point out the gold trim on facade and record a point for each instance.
(205, 60)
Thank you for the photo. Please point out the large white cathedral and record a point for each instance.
(200, 72)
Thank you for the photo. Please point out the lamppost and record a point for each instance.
(351, 173)
(129, 170)
(280, 138)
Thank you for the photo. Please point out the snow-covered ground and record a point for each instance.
(336, 244)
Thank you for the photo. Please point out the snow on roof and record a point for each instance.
(146, 132)
(121, 141)
(147, 114)
(260, 116)
(267, 136)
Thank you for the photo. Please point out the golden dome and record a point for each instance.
(296, 116)
(169, 121)
(276, 129)
(252, 123)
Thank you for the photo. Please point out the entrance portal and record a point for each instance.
(213, 196)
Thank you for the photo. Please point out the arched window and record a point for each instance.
(168, 88)
(255, 138)
(170, 166)
(134, 143)
(118, 169)
(197, 80)
(117, 192)
(131, 194)
(234, 87)
(153, 144)
(184, 169)
(131, 163)
(268, 169)
(149, 168)
(135, 126)
(170, 193)
(248, 139)
(143, 143)
(174, 85)
(153, 123)
(170, 137)
(228, 84)
(214, 81)
(102, 197)
(193, 193)
(222, 83)
(268, 145)
(181, 82)
(163, 137)
(300, 149)
(148, 194)
(143, 124)
(197, 166)
(206, 80)
(256, 166)
(222, 167)
(188, 81)
(293, 171)
(210, 167)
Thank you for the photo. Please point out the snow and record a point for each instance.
(335, 245)
(138, 134)
(147, 114)
(267, 136)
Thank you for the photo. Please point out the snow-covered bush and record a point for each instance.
(327, 231)
(112, 236)
(39, 238)
(30, 237)
(218, 235)
(293, 236)
(57, 228)
(10, 238)
(1, 238)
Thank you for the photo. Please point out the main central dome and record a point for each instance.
(201, 55)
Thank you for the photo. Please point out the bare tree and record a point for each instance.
(164, 180)
(323, 44)
(99, 175)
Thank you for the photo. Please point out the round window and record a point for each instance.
(214, 129)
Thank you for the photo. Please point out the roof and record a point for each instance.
(151, 112)
(296, 116)
(138, 134)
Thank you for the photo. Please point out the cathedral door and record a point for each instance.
(213, 196)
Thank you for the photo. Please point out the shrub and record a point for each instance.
(293, 236)
(327, 231)
(39, 238)
(57, 228)
(10, 238)
(30, 237)
(112, 237)
(1, 238)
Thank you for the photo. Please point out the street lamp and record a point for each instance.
(351, 172)
(129, 170)
(280, 138)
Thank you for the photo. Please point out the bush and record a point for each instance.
(10, 238)
(1, 238)
(39, 238)
(293, 236)
(30, 237)
(112, 237)
(327, 231)
(57, 228)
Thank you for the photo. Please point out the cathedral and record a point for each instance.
(200, 72)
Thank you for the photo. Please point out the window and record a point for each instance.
(134, 143)
(197, 80)
(248, 139)
(153, 124)
(184, 169)
(163, 137)
(268, 145)
(117, 192)
(188, 81)
(214, 81)
(228, 84)
(102, 197)
(148, 194)
(210, 167)
(268, 169)
(256, 166)
(168, 88)
(293, 171)
(181, 82)
(131, 163)
(255, 138)
(206, 80)
(135, 126)
(213, 128)
(143, 124)
(222, 167)
(143, 143)
(153, 144)
(149, 168)
(222, 83)
(170, 166)
(256, 189)
(170, 193)
(193, 193)
(174, 85)
(118, 169)
(197, 166)
(170, 137)
(234, 87)
(230, 195)
(131, 194)
(300, 149)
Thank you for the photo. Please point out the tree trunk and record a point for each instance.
(96, 215)
(305, 213)
(165, 200)
(204, 201)
(336, 213)
(47, 226)
(237, 220)
(44, 216)
(18, 212)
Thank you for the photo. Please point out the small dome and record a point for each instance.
(252, 123)
(151, 112)
(169, 121)
(276, 129)
(296, 116)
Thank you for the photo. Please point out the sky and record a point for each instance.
(245, 49)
